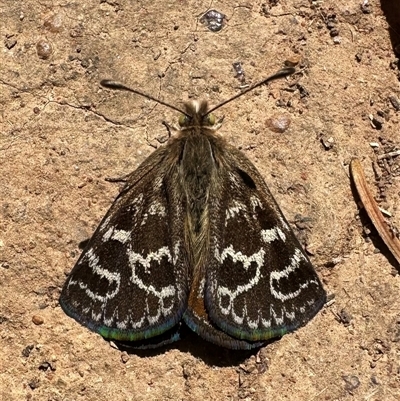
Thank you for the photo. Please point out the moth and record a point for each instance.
(194, 238)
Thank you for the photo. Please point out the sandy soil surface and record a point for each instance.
(62, 135)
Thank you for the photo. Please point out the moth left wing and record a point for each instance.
(130, 283)
(259, 282)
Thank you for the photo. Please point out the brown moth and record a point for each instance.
(195, 236)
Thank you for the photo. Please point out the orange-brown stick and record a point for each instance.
(371, 207)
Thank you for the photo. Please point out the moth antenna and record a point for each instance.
(110, 84)
(284, 72)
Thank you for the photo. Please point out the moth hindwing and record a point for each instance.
(195, 236)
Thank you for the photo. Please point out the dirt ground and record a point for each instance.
(62, 135)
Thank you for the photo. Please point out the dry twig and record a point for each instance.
(388, 155)
(372, 209)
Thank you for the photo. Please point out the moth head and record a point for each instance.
(197, 115)
(209, 120)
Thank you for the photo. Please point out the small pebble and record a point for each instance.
(278, 123)
(292, 61)
(27, 350)
(213, 20)
(10, 41)
(375, 122)
(38, 320)
(44, 49)
(352, 382)
(54, 23)
(395, 102)
(124, 357)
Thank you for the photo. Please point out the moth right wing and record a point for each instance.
(130, 283)
(259, 282)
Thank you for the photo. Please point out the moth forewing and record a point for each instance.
(195, 235)
(262, 284)
(113, 288)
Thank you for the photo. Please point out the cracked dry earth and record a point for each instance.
(62, 135)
